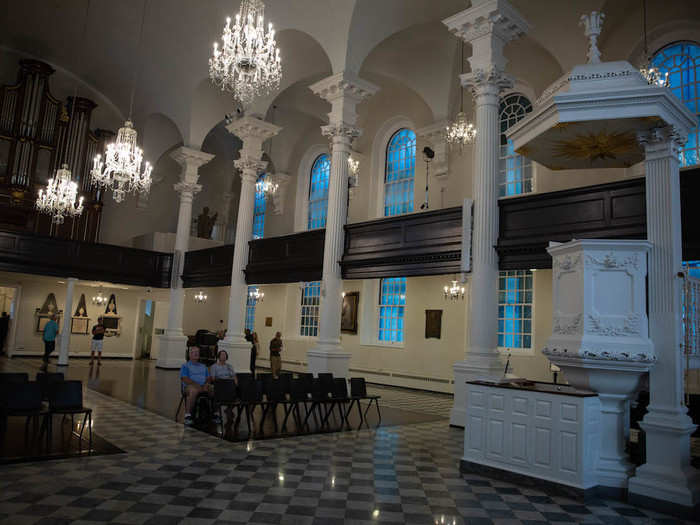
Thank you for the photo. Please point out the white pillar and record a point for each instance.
(173, 343)
(667, 474)
(487, 26)
(64, 344)
(344, 91)
(253, 132)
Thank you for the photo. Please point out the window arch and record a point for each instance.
(399, 173)
(318, 192)
(515, 171)
(681, 60)
(259, 210)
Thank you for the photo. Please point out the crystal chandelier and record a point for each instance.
(248, 63)
(99, 299)
(59, 197)
(266, 187)
(354, 169)
(460, 132)
(121, 171)
(650, 72)
(454, 291)
(256, 295)
(200, 298)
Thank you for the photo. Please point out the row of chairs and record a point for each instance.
(49, 395)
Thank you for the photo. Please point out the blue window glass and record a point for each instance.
(259, 211)
(515, 309)
(400, 173)
(250, 304)
(310, 308)
(515, 171)
(392, 302)
(318, 192)
(682, 63)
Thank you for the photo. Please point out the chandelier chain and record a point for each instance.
(137, 62)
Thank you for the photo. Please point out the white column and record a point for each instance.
(667, 474)
(64, 345)
(173, 343)
(487, 27)
(344, 91)
(253, 133)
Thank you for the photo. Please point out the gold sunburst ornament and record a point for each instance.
(595, 146)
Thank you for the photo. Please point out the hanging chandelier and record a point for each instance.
(454, 292)
(248, 64)
(460, 132)
(58, 199)
(650, 72)
(99, 299)
(200, 298)
(256, 295)
(354, 169)
(121, 170)
(266, 187)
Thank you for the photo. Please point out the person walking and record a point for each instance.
(275, 359)
(254, 348)
(50, 332)
(4, 328)
(98, 335)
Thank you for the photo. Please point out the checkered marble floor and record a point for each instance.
(413, 400)
(172, 474)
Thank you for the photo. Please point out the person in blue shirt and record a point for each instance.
(50, 331)
(196, 380)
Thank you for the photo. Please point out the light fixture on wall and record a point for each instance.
(200, 298)
(120, 171)
(650, 72)
(248, 65)
(256, 295)
(99, 299)
(460, 132)
(454, 291)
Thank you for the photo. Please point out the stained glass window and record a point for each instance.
(400, 172)
(259, 211)
(515, 309)
(392, 302)
(310, 306)
(318, 192)
(515, 171)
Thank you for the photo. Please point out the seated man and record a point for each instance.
(196, 380)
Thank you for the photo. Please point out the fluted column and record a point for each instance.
(487, 27)
(64, 345)
(344, 91)
(253, 132)
(173, 343)
(667, 474)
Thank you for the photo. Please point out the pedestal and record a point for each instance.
(334, 361)
(238, 354)
(172, 351)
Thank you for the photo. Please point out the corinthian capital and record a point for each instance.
(190, 160)
(663, 141)
(344, 85)
(341, 130)
(490, 18)
(247, 164)
(187, 189)
(486, 81)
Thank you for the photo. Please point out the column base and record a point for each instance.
(667, 475)
(329, 358)
(238, 353)
(172, 351)
(472, 368)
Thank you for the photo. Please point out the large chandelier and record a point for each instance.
(121, 169)
(454, 291)
(248, 63)
(59, 197)
(460, 132)
(650, 72)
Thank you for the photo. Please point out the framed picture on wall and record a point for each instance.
(79, 325)
(42, 319)
(348, 317)
(433, 324)
(111, 324)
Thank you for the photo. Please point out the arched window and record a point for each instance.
(259, 211)
(682, 63)
(318, 192)
(400, 172)
(515, 171)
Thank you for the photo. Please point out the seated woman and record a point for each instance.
(221, 369)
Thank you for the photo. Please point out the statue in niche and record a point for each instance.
(49, 306)
(111, 306)
(81, 310)
(205, 223)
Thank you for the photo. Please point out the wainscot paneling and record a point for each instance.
(208, 267)
(287, 259)
(426, 243)
(27, 253)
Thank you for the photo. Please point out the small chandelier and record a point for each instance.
(59, 197)
(200, 298)
(266, 187)
(354, 169)
(454, 292)
(248, 63)
(99, 299)
(460, 132)
(121, 169)
(256, 295)
(650, 72)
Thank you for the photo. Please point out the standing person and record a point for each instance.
(254, 346)
(195, 379)
(50, 331)
(275, 359)
(98, 335)
(4, 328)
